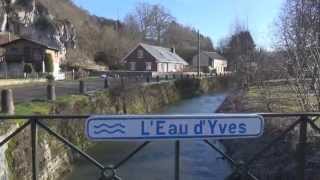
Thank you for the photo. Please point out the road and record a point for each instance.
(37, 91)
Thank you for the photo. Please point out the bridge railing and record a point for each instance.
(241, 171)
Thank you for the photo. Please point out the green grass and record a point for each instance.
(32, 108)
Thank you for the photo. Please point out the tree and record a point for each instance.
(48, 61)
(298, 34)
(102, 58)
(151, 20)
(161, 18)
(27, 68)
(241, 53)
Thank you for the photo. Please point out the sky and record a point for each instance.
(214, 18)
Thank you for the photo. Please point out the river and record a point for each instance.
(156, 161)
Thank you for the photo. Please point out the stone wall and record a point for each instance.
(55, 159)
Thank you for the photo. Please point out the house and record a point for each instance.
(146, 57)
(210, 62)
(23, 51)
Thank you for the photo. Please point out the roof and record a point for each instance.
(213, 55)
(161, 54)
(41, 43)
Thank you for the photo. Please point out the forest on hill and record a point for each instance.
(108, 40)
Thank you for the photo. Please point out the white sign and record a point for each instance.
(150, 127)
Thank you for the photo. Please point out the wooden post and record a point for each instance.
(148, 79)
(82, 87)
(7, 102)
(158, 79)
(106, 83)
(51, 92)
(122, 81)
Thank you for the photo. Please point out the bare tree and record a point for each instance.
(299, 36)
(161, 19)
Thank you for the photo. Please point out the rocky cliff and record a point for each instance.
(30, 18)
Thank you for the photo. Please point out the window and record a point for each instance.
(14, 50)
(140, 54)
(148, 66)
(163, 67)
(132, 66)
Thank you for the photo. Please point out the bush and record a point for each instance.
(28, 68)
(48, 61)
(117, 67)
(101, 58)
(38, 67)
(50, 77)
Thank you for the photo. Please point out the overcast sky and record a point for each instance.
(214, 18)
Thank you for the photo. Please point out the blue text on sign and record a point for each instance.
(218, 126)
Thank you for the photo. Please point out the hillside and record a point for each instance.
(84, 35)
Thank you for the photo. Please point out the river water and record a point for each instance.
(156, 161)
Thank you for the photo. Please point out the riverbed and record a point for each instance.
(156, 160)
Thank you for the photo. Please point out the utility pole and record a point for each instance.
(198, 58)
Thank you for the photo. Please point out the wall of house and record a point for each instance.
(35, 52)
(140, 62)
(56, 57)
(14, 69)
(220, 66)
(204, 61)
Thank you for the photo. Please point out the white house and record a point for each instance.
(210, 62)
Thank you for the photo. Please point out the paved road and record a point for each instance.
(37, 91)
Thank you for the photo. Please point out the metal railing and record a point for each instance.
(241, 170)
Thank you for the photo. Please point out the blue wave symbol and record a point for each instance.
(110, 132)
(109, 128)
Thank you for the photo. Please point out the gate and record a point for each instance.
(241, 171)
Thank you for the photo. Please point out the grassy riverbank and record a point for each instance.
(279, 161)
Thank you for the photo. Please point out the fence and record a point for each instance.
(241, 170)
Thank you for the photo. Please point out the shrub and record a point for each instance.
(117, 67)
(28, 68)
(50, 77)
(38, 67)
(48, 61)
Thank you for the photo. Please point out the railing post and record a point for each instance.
(177, 161)
(34, 140)
(82, 87)
(301, 154)
(106, 83)
(122, 81)
(51, 92)
(148, 79)
(7, 102)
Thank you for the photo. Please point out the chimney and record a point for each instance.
(173, 50)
